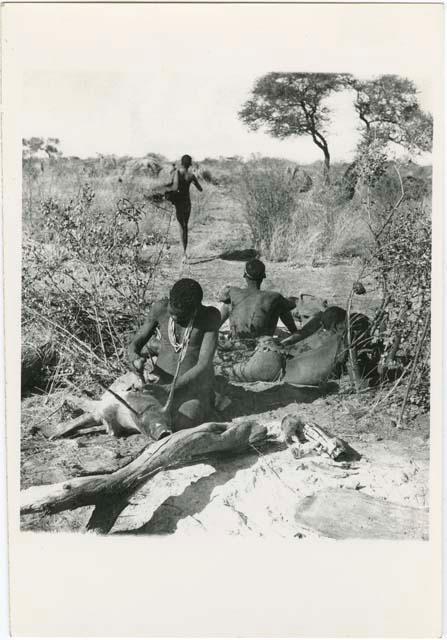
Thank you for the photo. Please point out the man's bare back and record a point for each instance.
(252, 312)
(182, 179)
(255, 313)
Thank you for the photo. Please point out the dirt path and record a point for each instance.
(255, 494)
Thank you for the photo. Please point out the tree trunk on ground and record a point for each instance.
(109, 493)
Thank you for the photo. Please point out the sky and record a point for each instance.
(153, 86)
(168, 113)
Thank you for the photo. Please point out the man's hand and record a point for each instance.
(139, 365)
(136, 363)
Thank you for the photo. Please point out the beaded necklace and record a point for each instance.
(176, 345)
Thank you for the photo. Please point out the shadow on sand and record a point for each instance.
(237, 255)
(197, 495)
(246, 402)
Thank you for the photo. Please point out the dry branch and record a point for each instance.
(109, 492)
(413, 370)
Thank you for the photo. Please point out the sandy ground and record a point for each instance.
(255, 494)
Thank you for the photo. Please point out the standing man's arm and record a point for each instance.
(175, 180)
(196, 183)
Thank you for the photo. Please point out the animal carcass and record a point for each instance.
(123, 410)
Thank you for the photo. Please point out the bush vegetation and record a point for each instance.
(93, 242)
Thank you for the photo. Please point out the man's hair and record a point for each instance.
(333, 316)
(254, 270)
(186, 158)
(186, 294)
(360, 323)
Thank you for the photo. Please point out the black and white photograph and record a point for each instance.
(226, 284)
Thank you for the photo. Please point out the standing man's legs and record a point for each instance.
(183, 211)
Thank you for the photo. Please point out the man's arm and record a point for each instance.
(286, 316)
(144, 333)
(308, 330)
(174, 184)
(206, 354)
(196, 183)
(224, 313)
(225, 297)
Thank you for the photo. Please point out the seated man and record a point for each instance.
(252, 312)
(314, 359)
(188, 330)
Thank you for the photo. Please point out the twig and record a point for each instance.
(83, 345)
(393, 209)
(413, 370)
(390, 392)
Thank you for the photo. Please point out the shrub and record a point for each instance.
(268, 200)
(90, 278)
(401, 262)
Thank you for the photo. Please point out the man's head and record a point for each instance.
(185, 298)
(334, 319)
(254, 271)
(186, 161)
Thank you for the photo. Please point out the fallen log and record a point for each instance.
(109, 493)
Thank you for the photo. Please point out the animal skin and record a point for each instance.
(315, 366)
(148, 417)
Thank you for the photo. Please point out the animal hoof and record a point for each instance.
(160, 431)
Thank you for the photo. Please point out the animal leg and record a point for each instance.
(71, 426)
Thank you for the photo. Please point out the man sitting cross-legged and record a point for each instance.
(186, 327)
(253, 314)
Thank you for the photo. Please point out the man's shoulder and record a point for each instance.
(210, 318)
(227, 292)
(236, 291)
(159, 307)
(271, 295)
(274, 297)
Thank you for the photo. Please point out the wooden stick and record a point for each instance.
(185, 342)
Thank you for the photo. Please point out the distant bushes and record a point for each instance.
(327, 222)
(289, 224)
(268, 201)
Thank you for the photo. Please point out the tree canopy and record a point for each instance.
(292, 104)
(388, 106)
(31, 146)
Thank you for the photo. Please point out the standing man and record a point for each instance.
(252, 312)
(179, 196)
(190, 329)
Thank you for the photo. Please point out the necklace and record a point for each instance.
(176, 345)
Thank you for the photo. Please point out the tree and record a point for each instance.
(390, 112)
(292, 104)
(31, 146)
